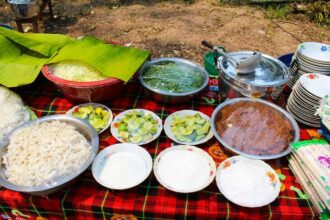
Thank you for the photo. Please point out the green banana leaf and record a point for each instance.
(23, 55)
(44, 44)
(111, 60)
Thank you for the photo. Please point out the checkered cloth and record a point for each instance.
(86, 199)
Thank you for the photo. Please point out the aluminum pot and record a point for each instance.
(24, 8)
(170, 97)
(266, 81)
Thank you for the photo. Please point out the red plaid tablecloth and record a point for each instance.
(86, 199)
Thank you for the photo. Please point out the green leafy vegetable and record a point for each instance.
(172, 77)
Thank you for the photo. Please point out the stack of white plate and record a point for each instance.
(306, 96)
(310, 57)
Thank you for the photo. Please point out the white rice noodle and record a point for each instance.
(39, 153)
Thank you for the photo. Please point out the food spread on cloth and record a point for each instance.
(39, 153)
(97, 115)
(33, 153)
(12, 111)
(254, 128)
(247, 182)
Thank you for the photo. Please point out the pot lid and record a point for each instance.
(270, 71)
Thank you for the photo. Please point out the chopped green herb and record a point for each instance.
(174, 78)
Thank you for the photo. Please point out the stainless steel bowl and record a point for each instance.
(262, 157)
(24, 8)
(169, 97)
(58, 183)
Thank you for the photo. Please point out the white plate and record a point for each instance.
(310, 62)
(317, 84)
(315, 51)
(122, 166)
(300, 100)
(308, 117)
(247, 182)
(184, 169)
(302, 109)
(301, 120)
(307, 97)
(306, 59)
(95, 105)
(114, 129)
(169, 133)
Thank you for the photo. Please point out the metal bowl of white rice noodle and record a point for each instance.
(58, 182)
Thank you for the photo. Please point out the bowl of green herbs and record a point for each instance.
(173, 80)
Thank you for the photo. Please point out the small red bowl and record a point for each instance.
(96, 91)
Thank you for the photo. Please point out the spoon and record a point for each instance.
(243, 67)
(250, 64)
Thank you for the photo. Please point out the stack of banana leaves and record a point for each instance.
(23, 55)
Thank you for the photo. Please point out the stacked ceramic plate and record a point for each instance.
(306, 96)
(310, 57)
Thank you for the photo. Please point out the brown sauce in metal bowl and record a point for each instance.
(254, 128)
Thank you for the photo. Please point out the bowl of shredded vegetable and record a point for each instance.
(81, 83)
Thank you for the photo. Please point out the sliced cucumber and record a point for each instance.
(122, 127)
(136, 139)
(147, 137)
(123, 134)
(96, 123)
(200, 120)
(143, 131)
(189, 128)
(138, 126)
(203, 130)
(154, 129)
(186, 131)
(199, 137)
(132, 125)
(147, 125)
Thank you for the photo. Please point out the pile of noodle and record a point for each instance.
(39, 153)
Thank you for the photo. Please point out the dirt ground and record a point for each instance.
(174, 28)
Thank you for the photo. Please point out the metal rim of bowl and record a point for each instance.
(62, 180)
(262, 157)
(176, 60)
(70, 111)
